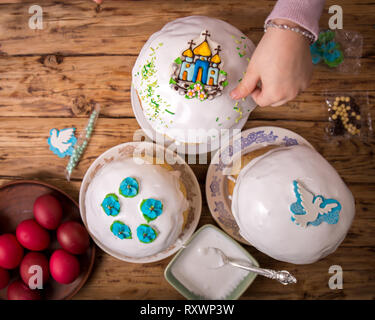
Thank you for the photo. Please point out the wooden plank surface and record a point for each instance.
(84, 55)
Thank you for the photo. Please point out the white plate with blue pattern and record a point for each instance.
(216, 186)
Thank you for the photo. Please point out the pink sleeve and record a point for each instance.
(305, 13)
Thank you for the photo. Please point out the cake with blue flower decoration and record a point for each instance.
(290, 203)
(184, 74)
(136, 207)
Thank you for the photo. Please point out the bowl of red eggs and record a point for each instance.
(45, 250)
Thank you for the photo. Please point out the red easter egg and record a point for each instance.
(63, 266)
(47, 211)
(17, 290)
(73, 237)
(34, 259)
(11, 252)
(4, 278)
(32, 236)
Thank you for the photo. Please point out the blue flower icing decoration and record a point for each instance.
(151, 209)
(111, 205)
(121, 230)
(129, 187)
(146, 234)
(313, 210)
(327, 50)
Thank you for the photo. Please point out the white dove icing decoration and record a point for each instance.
(62, 142)
(313, 210)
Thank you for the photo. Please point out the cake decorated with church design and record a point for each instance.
(184, 75)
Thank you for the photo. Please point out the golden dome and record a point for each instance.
(216, 59)
(203, 50)
(188, 53)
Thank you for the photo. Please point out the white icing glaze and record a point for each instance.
(215, 114)
(154, 182)
(201, 271)
(264, 192)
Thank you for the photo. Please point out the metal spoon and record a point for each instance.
(284, 277)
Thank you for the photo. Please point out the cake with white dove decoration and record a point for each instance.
(135, 207)
(184, 74)
(290, 203)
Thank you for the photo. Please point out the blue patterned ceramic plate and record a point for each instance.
(216, 186)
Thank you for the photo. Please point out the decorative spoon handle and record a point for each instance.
(284, 277)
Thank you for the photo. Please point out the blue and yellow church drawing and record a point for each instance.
(199, 65)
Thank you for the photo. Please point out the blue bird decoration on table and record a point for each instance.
(61, 142)
(313, 210)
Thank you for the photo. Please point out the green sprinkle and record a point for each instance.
(169, 111)
(172, 81)
(223, 72)
(217, 119)
(178, 60)
(225, 83)
(240, 54)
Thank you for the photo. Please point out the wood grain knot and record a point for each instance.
(81, 105)
(98, 8)
(51, 60)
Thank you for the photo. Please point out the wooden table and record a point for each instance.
(86, 54)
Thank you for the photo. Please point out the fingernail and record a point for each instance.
(234, 95)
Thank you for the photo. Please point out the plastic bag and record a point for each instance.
(349, 115)
(340, 50)
(82, 142)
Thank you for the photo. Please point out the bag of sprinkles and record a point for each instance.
(349, 115)
(340, 50)
(82, 142)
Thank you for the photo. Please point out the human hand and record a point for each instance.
(281, 63)
(98, 1)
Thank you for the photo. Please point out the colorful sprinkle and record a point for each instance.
(172, 113)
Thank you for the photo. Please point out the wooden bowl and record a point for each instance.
(16, 204)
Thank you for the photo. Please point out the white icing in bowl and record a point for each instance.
(264, 192)
(201, 270)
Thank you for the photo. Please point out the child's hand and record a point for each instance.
(281, 63)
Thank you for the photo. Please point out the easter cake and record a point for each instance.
(290, 203)
(136, 207)
(184, 75)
